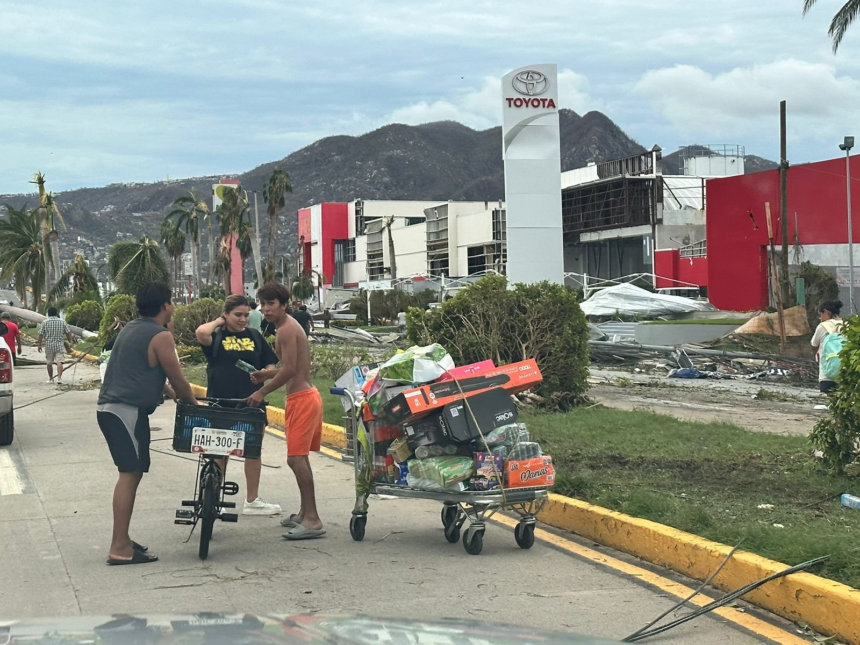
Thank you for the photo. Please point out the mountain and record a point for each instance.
(443, 160)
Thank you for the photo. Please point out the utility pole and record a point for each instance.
(784, 283)
(846, 145)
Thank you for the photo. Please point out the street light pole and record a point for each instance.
(846, 145)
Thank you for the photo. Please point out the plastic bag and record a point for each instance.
(417, 365)
(525, 450)
(443, 470)
(428, 484)
(507, 435)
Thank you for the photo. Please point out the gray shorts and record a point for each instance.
(54, 358)
(126, 430)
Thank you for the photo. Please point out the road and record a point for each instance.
(55, 525)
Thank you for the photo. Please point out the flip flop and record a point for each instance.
(139, 547)
(290, 522)
(137, 557)
(302, 533)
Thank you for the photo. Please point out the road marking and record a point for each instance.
(751, 623)
(10, 482)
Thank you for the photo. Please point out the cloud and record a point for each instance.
(746, 99)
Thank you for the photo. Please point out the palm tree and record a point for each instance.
(78, 278)
(173, 240)
(190, 211)
(232, 221)
(274, 195)
(132, 265)
(220, 265)
(23, 255)
(841, 21)
(48, 211)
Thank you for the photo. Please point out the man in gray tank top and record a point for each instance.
(143, 355)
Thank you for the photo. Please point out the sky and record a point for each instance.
(97, 92)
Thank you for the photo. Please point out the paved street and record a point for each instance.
(55, 525)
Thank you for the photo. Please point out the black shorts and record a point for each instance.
(826, 386)
(126, 430)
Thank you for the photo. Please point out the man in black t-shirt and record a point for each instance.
(304, 319)
(226, 340)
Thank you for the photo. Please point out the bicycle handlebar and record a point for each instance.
(338, 391)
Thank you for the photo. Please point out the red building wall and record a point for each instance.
(335, 226)
(673, 270)
(737, 227)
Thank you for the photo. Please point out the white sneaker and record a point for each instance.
(259, 507)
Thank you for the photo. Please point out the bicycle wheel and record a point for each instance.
(208, 511)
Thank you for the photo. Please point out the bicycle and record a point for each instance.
(225, 427)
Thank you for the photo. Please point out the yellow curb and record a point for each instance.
(827, 606)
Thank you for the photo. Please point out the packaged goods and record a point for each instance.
(530, 472)
(428, 484)
(403, 471)
(417, 402)
(465, 371)
(444, 471)
(423, 452)
(483, 483)
(399, 449)
(488, 464)
(417, 365)
(524, 450)
(508, 435)
(386, 391)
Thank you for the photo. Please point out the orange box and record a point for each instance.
(530, 472)
(415, 403)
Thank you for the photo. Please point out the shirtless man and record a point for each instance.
(304, 413)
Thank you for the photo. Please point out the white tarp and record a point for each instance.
(630, 300)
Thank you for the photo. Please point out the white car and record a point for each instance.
(7, 373)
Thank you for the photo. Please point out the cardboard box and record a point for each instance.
(530, 472)
(454, 422)
(417, 402)
(466, 371)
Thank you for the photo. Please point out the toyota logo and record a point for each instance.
(530, 83)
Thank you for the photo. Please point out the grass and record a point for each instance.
(708, 479)
(332, 408)
(737, 322)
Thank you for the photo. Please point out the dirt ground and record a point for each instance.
(754, 405)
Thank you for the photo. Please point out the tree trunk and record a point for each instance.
(392, 262)
(273, 238)
(194, 268)
(210, 272)
(258, 262)
(55, 253)
(196, 261)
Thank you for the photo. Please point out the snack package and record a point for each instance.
(445, 471)
(530, 472)
(525, 450)
(483, 483)
(487, 464)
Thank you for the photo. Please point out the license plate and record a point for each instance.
(218, 442)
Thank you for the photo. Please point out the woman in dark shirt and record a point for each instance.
(225, 340)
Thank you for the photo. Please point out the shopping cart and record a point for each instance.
(218, 429)
(458, 508)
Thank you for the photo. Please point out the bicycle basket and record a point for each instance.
(251, 421)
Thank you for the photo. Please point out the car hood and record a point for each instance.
(253, 629)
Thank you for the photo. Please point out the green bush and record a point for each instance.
(214, 291)
(838, 435)
(120, 309)
(87, 315)
(331, 360)
(187, 318)
(542, 321)
(190, 354)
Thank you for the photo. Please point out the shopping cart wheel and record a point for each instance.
(449, 515)
(452, 532)
(357, 524)
(525, 534)
(473, 541)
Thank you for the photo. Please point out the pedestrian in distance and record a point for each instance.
(143, 355)
(827, 341)
(53, 336)
(303, 408)
(12, 336)
(225, 341)
(255, 318)
(304, 319)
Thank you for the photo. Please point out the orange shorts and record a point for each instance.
(303, 419)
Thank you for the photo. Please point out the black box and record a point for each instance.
(455, 423)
